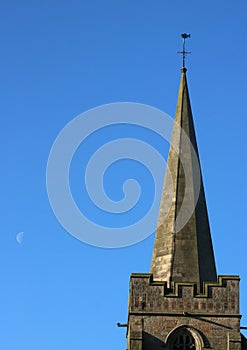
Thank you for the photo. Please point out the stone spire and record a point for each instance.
(183, 250)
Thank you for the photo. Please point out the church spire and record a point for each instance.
(183, 254)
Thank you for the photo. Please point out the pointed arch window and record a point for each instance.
(183, 340)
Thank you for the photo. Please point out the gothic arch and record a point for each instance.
(184, 337)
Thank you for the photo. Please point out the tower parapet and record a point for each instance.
(158, 315)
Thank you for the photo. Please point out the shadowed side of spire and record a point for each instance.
(183, 254)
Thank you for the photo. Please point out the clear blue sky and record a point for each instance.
(60, 58)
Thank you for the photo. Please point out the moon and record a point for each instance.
(19, 237)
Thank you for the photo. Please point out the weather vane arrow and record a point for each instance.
(184, 52)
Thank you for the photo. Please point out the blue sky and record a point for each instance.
(60, 58)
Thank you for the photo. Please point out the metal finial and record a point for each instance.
(184, 52)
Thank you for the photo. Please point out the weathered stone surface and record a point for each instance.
(183, 254)
(155, 311)
(221, 297)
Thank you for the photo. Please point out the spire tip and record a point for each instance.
(183, 70)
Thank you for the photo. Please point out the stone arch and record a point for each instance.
(185, 335)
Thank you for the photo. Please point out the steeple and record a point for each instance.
(183, 252)
(182, 303)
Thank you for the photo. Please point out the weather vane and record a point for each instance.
(184, 52)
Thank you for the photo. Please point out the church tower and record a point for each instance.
(182, 304)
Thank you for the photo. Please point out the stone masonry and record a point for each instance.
(156, 312)
(183, 252)
(182, 304)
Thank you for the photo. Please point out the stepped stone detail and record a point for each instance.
(156, 311)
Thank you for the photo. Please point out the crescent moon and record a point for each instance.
(19, 237)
